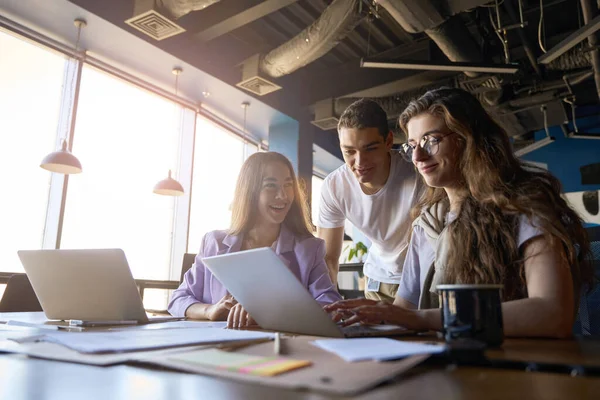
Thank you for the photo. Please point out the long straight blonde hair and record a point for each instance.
(247, 192)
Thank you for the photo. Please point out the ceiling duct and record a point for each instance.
(150, 19)
(590, 10)
(328, 112)
(155, 18)
(448, 32)
(571, 60)
(253, 80)
(179, 8)
(325, 117)
(337, 21)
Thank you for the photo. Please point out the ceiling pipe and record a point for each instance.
(392, 105)
(337, 21)
(590, 10)
(572, 79)
(178, 8)
(456, 42)
(447, 31)
(510, 9)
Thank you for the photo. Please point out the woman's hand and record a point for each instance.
(220, 310)
(342, 310)
(373, 312)
(239, 318)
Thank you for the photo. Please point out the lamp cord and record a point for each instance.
(72, 84)
(244, 134)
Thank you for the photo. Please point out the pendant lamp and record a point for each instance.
(170, 186)
(63, 161)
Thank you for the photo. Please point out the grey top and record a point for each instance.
(421, 254)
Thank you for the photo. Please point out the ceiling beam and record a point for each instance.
(349, 78)
(237, 18)
(405, 84)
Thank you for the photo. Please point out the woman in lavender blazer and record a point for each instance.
(268, 211)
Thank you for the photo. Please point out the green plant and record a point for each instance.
(357, 250)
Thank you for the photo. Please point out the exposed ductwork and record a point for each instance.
(516, 107)
(392, 105)
(414, 16)
(455, 41)
(179, 8)
(446, 30)
(155, 17)
(572, 59)
(327, 112)
(337, 21)
(590, 10)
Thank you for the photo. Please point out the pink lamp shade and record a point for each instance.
(62, 161)
(169, 187)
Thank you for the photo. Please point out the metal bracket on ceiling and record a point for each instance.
(502, 29)
(372, 6)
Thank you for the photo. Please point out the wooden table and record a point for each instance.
(27, 378)
(24, 378)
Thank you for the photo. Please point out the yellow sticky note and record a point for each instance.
(238, 362)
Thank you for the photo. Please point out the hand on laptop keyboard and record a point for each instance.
(239, 318)
(221, 309)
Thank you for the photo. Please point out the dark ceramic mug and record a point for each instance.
(472, 312)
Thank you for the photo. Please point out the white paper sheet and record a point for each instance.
(381, 349)
(175, 325)
(132, 340)
(50, 327)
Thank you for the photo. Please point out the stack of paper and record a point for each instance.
(242, 363)
(376, 348)
(133, 340)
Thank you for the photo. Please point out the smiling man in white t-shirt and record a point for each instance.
(375, 190)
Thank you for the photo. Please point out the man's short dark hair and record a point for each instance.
(365, 113)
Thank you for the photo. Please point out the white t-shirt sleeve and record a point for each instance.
(330, 214)
(527, 230)
(410, 284)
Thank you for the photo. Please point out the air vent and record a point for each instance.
(325, 117)
(253, 80)
(258, 85)
(155, 25)
(481, 85)
(326, 123)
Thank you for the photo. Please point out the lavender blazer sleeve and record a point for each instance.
(199, 285)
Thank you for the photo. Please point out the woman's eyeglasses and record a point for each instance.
(430, 144)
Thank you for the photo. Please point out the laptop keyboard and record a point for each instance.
(358, 330)
(370, 330)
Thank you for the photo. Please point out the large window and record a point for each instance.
(31, 79)
(218, 157)
(126, 140)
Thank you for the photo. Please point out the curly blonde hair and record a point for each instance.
(500, 190)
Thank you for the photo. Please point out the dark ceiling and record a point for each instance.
(219, 38)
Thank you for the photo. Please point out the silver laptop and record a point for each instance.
(275, 298)
(92, 287)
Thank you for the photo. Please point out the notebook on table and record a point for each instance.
(86, 287)
(276, 299)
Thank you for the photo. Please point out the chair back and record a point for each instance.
(588, 319)
(19, 296)
(188, 261)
